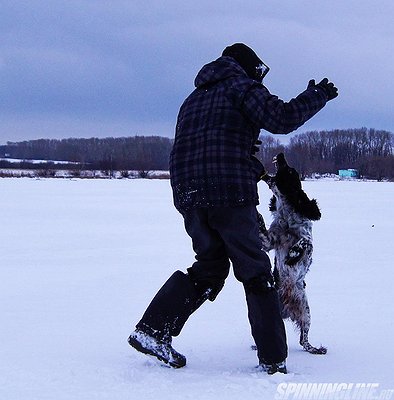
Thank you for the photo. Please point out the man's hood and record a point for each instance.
(218, 70)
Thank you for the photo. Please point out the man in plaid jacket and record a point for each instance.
(214, 180)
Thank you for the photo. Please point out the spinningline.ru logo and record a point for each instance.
(332, 391)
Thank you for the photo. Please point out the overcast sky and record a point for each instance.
(75, 68)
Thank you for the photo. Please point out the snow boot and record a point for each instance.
(159, 348)
(167, 313)
(271, 369)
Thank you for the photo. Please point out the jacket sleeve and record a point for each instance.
(269, 112)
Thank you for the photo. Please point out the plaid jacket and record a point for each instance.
(217, 125)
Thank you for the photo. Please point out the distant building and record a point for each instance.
(348, 173)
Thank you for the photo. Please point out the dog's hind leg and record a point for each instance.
(295, 302)
(304, 325)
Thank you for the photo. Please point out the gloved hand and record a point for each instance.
(311, 84)
(328, 87)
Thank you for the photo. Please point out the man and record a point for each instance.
(214, 181)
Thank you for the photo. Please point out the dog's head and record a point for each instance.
(286, 184)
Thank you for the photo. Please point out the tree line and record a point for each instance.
(369, 151)
(124, 153)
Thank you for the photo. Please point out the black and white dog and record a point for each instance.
(290, 235)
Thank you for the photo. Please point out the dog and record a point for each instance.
(290, 235)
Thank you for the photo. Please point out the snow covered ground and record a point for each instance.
(19, 160)
(81, 259)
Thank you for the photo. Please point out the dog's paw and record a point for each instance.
(293, 257)
(315, 350)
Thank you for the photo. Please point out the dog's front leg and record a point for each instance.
(269, 238)
(263, 234)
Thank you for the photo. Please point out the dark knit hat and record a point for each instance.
(245, 57)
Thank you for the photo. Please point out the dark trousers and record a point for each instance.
(221, 235)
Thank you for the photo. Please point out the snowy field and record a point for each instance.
(81, 259)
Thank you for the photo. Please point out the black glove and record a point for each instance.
(311, 84)
(256, 147)
(328, 87)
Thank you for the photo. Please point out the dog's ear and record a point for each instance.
(314, 210)
(309, 209)
(303, 206)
